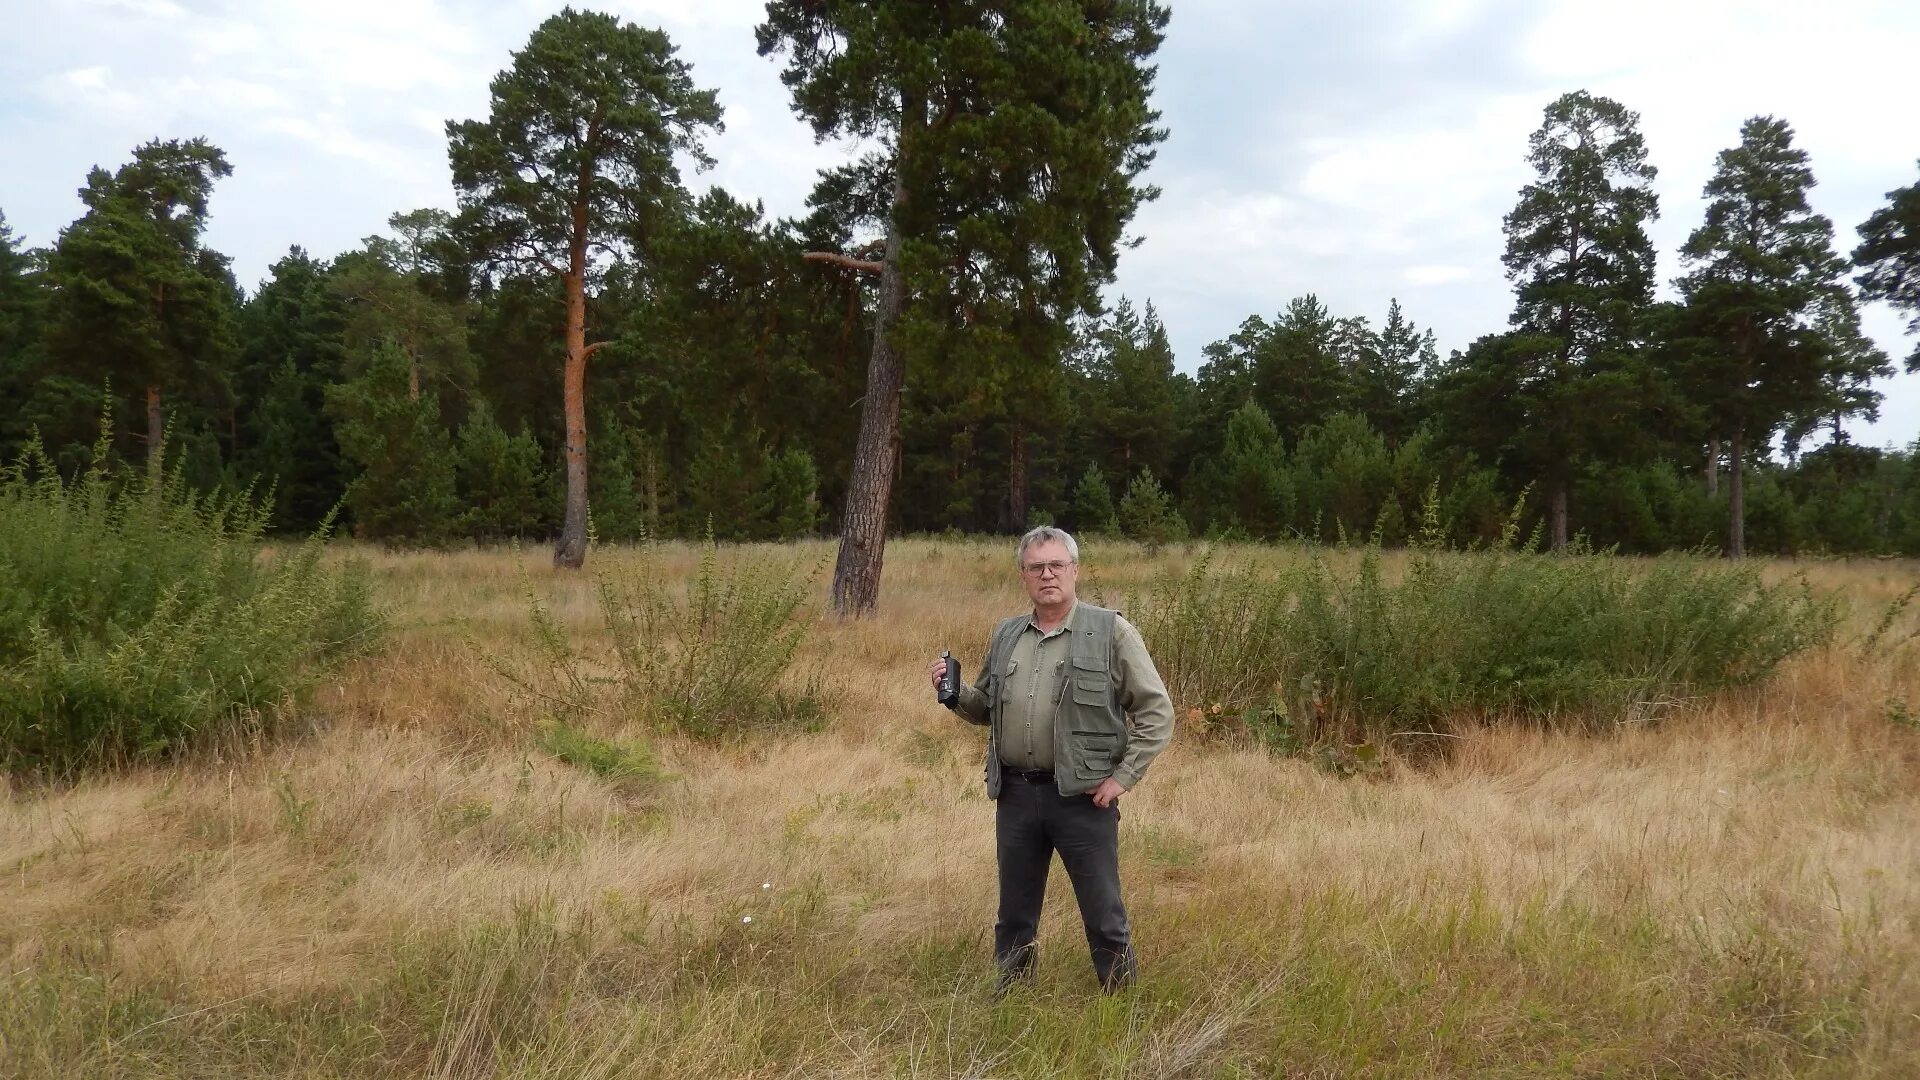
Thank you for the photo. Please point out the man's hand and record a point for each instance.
(1108, 791)
(937, 669)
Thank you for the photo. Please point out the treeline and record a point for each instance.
(412, 381)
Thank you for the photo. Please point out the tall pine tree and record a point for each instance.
(1582, 267)
(137, 301)
(1012, 138)
(1763, 274)
(576, 161)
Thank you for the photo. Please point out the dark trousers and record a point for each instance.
(1032, 821)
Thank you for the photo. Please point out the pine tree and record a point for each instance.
(575, 161)
(1147, 514)
(137, 301)
(1093, 509)
(1247, 485)
(505, 487)
(1763, 269)
(792, 495)
(1582, 266)
(22, 368)
(1889, 258)
(1012, 137)
(291, 347)
(405, 489)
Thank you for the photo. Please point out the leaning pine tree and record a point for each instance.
(576, 161)
(1012, 135)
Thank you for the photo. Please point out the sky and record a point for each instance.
(1359, 151)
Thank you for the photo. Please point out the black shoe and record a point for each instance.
(1009, 979)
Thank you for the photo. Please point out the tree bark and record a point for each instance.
(1017, 480)
(156, 432)
(1713, 468)
(863, 526)
(570, 551)
(1557, 515)
(1736, 498)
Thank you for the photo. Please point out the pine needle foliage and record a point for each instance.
(1330, 649)
(138, 615)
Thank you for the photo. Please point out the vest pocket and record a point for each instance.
(1091, 689)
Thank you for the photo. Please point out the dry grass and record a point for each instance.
(411, 887)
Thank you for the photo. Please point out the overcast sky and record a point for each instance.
(1360, 151)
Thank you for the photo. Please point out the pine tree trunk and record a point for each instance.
(1713, 467)
(1557, 516)
(413, 375)
(570, 552)
(863, 526)
(1017, 479)
(156, 432)
(1736, 499)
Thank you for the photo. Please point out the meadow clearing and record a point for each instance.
(406, 880)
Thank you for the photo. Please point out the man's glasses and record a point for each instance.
(1042, 569)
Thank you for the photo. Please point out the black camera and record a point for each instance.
(949, 692)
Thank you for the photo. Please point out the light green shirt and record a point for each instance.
(1036, 678)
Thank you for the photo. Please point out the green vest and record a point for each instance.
(1090, 728)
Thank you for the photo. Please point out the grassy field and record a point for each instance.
(405, 883)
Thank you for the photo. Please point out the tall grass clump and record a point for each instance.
(1330, 649)
(137, 615)
(711, 659)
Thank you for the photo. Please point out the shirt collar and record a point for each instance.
(1062, 628)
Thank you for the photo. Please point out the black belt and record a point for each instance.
(1031, 776)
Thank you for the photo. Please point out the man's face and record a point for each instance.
(1049, 574)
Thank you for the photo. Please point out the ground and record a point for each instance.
(402, 882)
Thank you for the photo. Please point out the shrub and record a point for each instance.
(137, 615)
(1328, 648)
(711, 662)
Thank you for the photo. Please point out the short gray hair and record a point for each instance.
(1043, 535)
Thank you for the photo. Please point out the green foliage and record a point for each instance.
(1093, 511)
(792, 495)
(1328, 649)
(137, 301)
(1147, 514)
(1247, 486)
(712, 661)
(404, 492)
(504, 482)
(1889, 258)
(138, 617)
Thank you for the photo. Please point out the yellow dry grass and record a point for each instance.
(409, 886)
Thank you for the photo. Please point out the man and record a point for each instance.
(1075, 712)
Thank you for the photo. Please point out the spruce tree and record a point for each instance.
(1012, 136)
(574, 162)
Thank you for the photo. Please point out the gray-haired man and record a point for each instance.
(1075, 712)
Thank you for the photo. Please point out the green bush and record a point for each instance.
(138, 615)
(712, 662)
(1329, 649)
